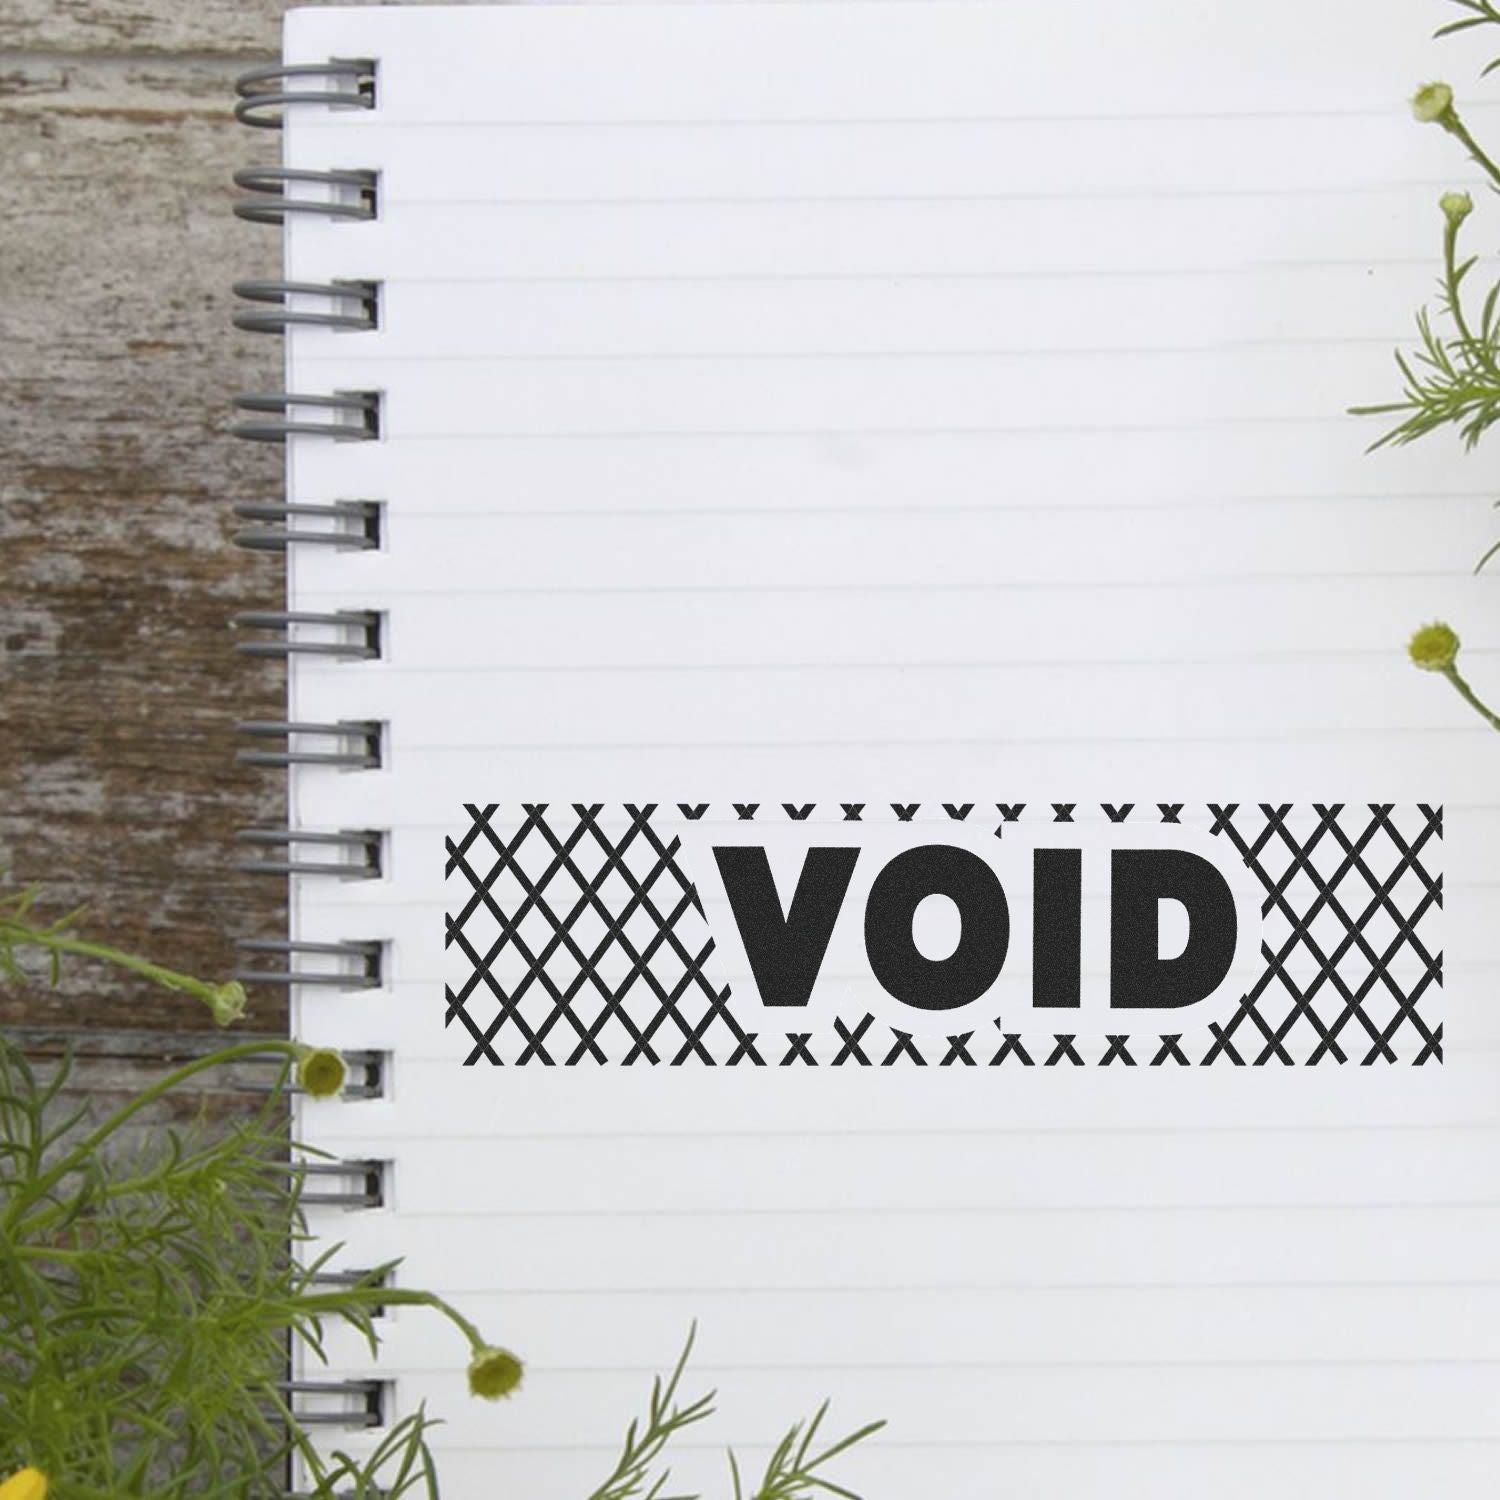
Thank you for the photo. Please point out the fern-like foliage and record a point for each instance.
(645, 1438)
(791, 1473)
(1477, 13)
(1452, 379)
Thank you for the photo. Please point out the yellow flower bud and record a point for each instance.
(1434, 648)
(1432, 104)
(1456, 207)
(227, 1002)
(493, 1373)
(320, 1073)
(25, 1484)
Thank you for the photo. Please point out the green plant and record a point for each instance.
(1452, 378)
(147, 1294)
(791, 1472)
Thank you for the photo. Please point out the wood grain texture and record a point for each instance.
(115, 28)
(205, 29)
(110, 1067)
(140, 28)
(117, 778)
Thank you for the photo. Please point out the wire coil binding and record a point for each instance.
(355, 633)
(362, 846)
(275, 195)
(350, 524)
(361, 741)
(348, 193)
(361, 966)
(368, 1398)
(365, 1078)
(264, 90)
(362, 296)
(356, 416)
(354, 1183)
(374, 1276)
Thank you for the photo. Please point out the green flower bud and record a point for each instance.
(227, 1002)
(494, 1373)
(320, 1072)
(1434, 648)
(1456, 207)
(1432, 104)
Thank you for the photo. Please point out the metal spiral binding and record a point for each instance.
(361, 967)
(350, 193)
(375, 1276)
(363, 296)
(356, 633)
(356, 416)
(368, 1400)
(361, 741)
(365, 1080)
(350, 524)
(264, 90)
(273, 195)
(353, 1184)
(363, 847)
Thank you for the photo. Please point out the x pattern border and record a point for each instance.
(642, 1018)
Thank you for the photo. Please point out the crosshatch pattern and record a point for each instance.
(607, 956)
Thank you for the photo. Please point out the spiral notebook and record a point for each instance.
(853, 776)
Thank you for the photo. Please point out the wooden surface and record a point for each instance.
(117, 361)
(117, 778)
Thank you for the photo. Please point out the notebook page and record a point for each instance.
(929, 404)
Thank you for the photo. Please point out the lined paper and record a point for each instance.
(919, 401)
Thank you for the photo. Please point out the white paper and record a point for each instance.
(918, 402)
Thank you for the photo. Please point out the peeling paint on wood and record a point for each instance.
(224, 28)
(118, 785)
(117, 361)
(108, 1069)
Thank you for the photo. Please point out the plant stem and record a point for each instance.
(95, 1138)
(20, 935)
(1451, 282)
(1460, 132)
(333, 1302)
(1472, 698)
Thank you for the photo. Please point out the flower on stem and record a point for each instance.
(25, 1484)
(1456, 207)
(227, 1003)
(1432, 104)
(1434, 648)
(493, 1373)
(320, 1073)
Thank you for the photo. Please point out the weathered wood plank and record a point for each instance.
(239, 29)
(223, 28)
(117, 361)
(111, 1067)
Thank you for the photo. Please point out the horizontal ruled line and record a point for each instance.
(838, 669)
(783, 514)
(960, 1288)
(832, 1367)
(940, 1133)
(900, 1211)
(792, 356)
(366, 122)
(1380, 1440)
(1323, 193)
(1196, 579)
(1339, 420)
(1030, 273)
